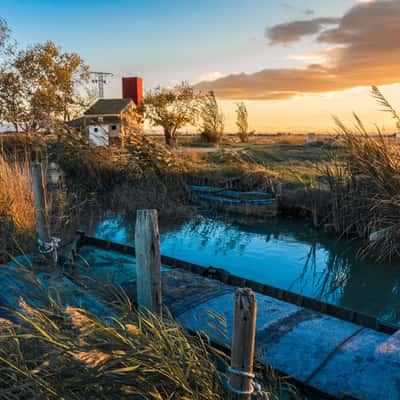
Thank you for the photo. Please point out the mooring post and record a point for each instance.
(148, 262)
(48, 245)
(40, 202)
(240, 383)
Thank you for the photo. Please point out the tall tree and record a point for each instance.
(242, 122)
(213, 121)
(172, 109)
(4, 33)
(38, 85)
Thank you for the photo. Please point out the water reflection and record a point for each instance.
(288, 254)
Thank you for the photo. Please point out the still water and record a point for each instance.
(288, 254)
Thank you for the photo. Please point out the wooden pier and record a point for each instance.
(334, 356)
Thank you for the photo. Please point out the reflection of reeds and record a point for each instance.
(328, 283)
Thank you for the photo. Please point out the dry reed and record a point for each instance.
(16, 195)
(365, 190)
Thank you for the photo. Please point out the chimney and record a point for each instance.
(132, 88)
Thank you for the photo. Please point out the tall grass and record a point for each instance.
(365, 190)
(55, 351)
(17, 216)
(16, 194)
(70, 353)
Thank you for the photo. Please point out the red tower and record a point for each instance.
(132, 88)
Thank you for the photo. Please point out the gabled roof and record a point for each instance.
(108, 106)
(110, 119)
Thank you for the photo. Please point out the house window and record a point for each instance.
(100, 119)
(113, 127)
(96, 129)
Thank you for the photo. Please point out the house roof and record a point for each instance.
(81, 122)
(110, 119)
(108, 106)
(76, 123)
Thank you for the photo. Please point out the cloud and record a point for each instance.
(364, 49)
(295, 30)
(209, 76)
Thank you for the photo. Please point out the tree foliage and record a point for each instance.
(172, 109)
(242, 122)
(4, 34)
(213, 121)
(38, 85)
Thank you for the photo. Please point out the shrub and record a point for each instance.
(212, 120)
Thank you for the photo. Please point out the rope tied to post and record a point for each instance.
(240, 382)
(50, 247)
(255, 392)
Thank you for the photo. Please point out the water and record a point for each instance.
(288, 254)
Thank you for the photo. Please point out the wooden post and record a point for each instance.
(241, 375)
(40, 202)
(148, 262)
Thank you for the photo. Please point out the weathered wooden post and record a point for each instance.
(40, 202)
(48, 245)
(148, 262)
(240, 383)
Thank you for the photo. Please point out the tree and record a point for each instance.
(242, 122)
(172, 109)
(213, 121)
(4, 34)
(38, 86)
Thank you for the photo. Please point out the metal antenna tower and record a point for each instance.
(100, 78)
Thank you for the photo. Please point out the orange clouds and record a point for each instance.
(364, 50)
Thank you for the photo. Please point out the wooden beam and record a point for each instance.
(148, 262)
(241, 375)
(40, 202)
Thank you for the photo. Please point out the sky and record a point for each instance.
(294, 63)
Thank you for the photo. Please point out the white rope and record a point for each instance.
(49, 247)
(237, 391)
(241, 373)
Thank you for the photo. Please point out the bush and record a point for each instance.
(212, 120)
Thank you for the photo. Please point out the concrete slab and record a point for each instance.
(306, 339)
(367, 367)
(107, 266)
(203, 316)
(334, 356)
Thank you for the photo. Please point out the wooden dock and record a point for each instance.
(334, 356)
(337, 357)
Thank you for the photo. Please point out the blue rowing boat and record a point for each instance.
(248, 203)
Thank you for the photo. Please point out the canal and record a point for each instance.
(285, 253)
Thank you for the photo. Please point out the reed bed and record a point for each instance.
(365, 188)
(17, 216)
(72, 354)
(16, 193)
(52, 350)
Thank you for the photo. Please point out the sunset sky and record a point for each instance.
(294, 63)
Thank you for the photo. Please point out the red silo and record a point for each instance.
(132, 88)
